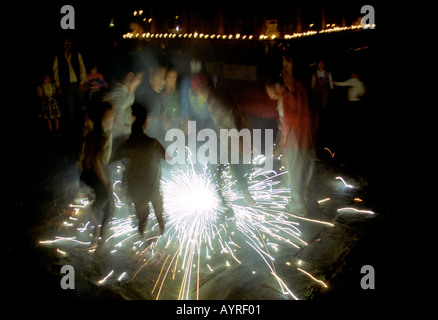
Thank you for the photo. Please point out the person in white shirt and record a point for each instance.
(356, 88)
(352, 121)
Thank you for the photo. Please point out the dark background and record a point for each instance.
(31, 35)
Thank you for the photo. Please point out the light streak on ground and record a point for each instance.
(121, 276)
(57, 238)
(345, 184)
(313, 278)
(355, 210)
(61, 252)
(104, 279)
(202, 235)
(324, 200)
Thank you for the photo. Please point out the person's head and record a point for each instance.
(320, 65)
(67, 44)
(171, 77)
(195, 66)
(93, 70)
(139, 115)
(132, 81)
(273, 89)
(157, 78)
(102, 114)
(47, 79)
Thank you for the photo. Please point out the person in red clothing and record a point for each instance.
(95, 82)
(297, 143)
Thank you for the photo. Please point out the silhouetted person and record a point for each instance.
(70, 77)
(224, 115)
(96, 155)
(297, 139)
(49, 108)
(150, 97)
(143, 169)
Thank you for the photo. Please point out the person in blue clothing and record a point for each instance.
(193, 106)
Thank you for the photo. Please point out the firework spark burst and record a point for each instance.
(201, 236)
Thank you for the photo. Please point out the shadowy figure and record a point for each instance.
(70, 78)
(96, 155)
(224, 115)
(48, 104)
(143, 169)
(322, 83)
(171, 113)
(353, 120)
(121, 96)
(150, 97)
(297, 142)
(95, 82)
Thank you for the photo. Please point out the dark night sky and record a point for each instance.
(34, 28)
(93, 15)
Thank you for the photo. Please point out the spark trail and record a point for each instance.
(201, 236)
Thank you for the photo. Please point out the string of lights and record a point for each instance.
(238, 36)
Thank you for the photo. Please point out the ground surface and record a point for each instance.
(321, 261)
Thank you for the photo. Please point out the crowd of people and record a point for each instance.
(127, 118)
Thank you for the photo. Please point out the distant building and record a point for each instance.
(271, 28)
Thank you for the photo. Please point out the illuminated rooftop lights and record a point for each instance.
(238, 36)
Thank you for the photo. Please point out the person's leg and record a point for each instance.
(108, 211)
(157, 203)
(216, 172)
(98, 205)
(295, 178)
(238, 170)
(142, 211)
(141, 206)
(57, 124)
(102, 202)
(49, 121)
